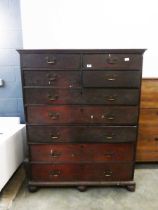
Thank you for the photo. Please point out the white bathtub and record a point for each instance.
(12, 147)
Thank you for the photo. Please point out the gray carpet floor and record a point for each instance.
(144, 198)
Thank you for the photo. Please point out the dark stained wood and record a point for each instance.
(82, 172)
(112, 61)
(82, 114)
(57, 79)
(81, 109)
(52, 61)
(80, 51)
(81, 152)
(77, 134)
(78, 96)
(111, 79)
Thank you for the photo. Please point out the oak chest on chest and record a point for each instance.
(82, 110)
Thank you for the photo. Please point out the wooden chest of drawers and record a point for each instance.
(82, 110)
(147, 147)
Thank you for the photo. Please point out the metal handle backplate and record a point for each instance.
(55, 173)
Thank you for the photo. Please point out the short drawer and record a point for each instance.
(63, 79)
(59, 134)
(81, 152)
(76, 96)
(82, 114)
(112, 61)
(111, 79)
(51, 61)
(82, 172)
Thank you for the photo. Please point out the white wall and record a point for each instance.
(93, 24)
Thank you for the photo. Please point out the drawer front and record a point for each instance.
(51, 61)
(64, 79)
(148, 134)
(87, 96)
(82, 172)
(112, 61)
(58, 134)
(82, 114)
(146, 155)
(149, 93)
(147, 146)
(111, 79)
(148, 117)
(81, 152)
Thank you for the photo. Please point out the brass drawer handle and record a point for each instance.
(53, 61)
(111, 98)
(108, 173)
(109, 137)
(110, 117)
(53, 115)
(55, 154)
(52, 78)
(55, 173)
(52, 98)
(111, 79)
(108, 154)
(54, 137)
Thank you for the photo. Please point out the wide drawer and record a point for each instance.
(81, 152)
(76, 96)
(59, 134)
(64, 79)
(52, 61)
(82, 172)
(82, 114)
(111, 79)
(112, 61)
